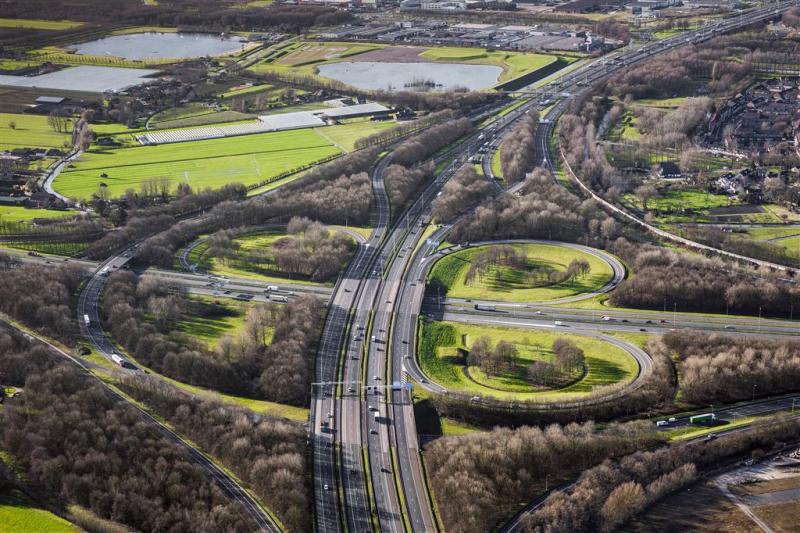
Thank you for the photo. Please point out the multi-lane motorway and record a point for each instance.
(399, 497)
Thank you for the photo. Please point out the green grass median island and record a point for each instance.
(443, 345)
(215, 318)
(532, 278)
(39, 24)
(211, 163)
(250, 260)
(19, 515)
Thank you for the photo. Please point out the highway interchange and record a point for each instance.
(368, 473)
(399, 296)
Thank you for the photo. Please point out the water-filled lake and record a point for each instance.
(157, 45)
(412, 76)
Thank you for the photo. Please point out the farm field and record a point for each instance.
(39, 24)
(526, 284)
(439, 358)
(208, 163)
(13, 213)
(29, 131)
(18, 515)
(344, 136)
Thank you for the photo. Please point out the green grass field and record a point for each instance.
(38, 24)
(514, 64)
(13, 213)
(510, 284)
(210, 163)
(438, 356)
(30, 131)
(345, 136)
(227, 317)
(18, 515)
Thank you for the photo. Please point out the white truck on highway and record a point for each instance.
(87, 321)
(276, 298)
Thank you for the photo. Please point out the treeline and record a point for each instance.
(430, 141)
(267, 453)
(404, 128)
(483, 477)
(461, 193)
(721, 368)
(309, 251)
(76, 443)
(666, 279)
(41, 296)
(139, 223)
(542, 210)
(404, 176)
(337, 192)
(143, 315)
(607, 496)
(517, 151)
(196, 14)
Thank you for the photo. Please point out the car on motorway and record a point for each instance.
(326, 487)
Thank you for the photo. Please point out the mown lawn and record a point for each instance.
(14, 213)
(19, 515)
(511, 284)
(212, 163)
(438, 356)
(30, 131)
(346, 135)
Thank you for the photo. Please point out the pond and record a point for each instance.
(157, 45)
(412, 76)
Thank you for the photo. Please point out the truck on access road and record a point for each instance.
(705, 418)
(482, 307)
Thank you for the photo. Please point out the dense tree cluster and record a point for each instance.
(544, 210)
(484, 476)
(337, 192)
(460, 194)
(143, 315)
(666, 279)
(721, 368)
(268, 453)
(41, 296)
(492, 360)
(606, 496)
(145, 220)
(568, 363)
(79, 444)
(518, 151)
(402, 182)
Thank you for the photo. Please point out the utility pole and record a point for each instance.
(759, 319)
